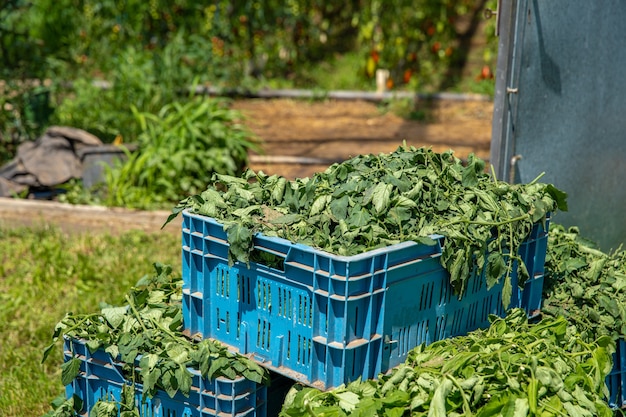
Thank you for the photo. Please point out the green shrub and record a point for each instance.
(180, 147)
(106, 112)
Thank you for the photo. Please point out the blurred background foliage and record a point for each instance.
(225, 41)
(88, 64)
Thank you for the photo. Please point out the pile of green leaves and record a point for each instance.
(146, 334)
(106, 406)
(513, 368)
(373, 201)
(585, 284)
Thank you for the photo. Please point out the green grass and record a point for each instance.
(45, 273)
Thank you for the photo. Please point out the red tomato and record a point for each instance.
(407, 75)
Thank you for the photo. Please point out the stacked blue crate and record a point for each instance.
(325, 320)
(102, 378)
(533, 252)
(616, 381)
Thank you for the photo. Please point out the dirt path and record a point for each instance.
(299, 139)
(332, 131)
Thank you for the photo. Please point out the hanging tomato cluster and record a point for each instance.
(416, 40)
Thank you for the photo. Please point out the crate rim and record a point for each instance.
(195, 372)
(437, 238)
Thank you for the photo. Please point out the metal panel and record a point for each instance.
(560, 107)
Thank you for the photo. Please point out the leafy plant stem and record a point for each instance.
(537, 178)
(169, 333)
(135, 312)
(81, 322)
(483, 223)
(467, 411)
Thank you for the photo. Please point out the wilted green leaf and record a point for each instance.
(114, 315)
(381, 196)
(70, 370)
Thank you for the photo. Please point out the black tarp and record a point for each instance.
(51, 160)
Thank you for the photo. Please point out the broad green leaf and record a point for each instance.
(456, 268)
(170, 382)
(246, 212)
(149, 361)
(240, 240)
(381, 197)
(347, 400)
(574, 264)
(496, 268)
(339, 207)
(415, 192)
(70, 370)
(471, 172)
(559, 196)
(130, 325)
(595, 269)
(367, 407)
(93, 344)
(286, 219)
(184, 379)
(364, 388)
(399, 214)
(544, 375)
(177, 352)
(438, 402)
(156, 297)
(396, 399)
(442, 204)
(231, 180)
(539, 211)
(522, 274)
(425, 240)
(254, 372)
(457, 362)
(103, 408)
(112, 350)
(359, 218)
(401, 185)
(620, 281)
(494, 406)
(418, 401)
(47, 351)
(209, 209)
(575, 410)
(395, 412)
(278, 190)
(515, 407)
(253, 376)
(217, 367)
(507, 292)
(320, 203)
(114, 315)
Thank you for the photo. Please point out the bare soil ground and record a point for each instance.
(299, 138)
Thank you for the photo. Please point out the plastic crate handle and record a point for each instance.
(270, 254)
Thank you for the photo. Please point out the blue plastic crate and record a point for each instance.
(322, 319)
(616, 381)
(533, 251)
(101, 377)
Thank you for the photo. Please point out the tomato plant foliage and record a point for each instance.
(373, 201)
(513, 368)
(145, 334)
(585, 284)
